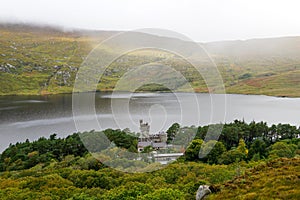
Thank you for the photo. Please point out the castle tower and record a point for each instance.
(144, 129)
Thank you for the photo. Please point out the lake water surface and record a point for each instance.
(31, 117)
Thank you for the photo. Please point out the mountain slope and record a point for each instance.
(42, 60)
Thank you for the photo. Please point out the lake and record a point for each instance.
(31, 117)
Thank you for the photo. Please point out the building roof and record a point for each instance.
(159, 144)
(144, 144)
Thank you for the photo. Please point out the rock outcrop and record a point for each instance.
(202, 191)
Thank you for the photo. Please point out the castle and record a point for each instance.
(156, 141)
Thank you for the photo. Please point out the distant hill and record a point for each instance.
(269, 47)
(259, 66)
(44, 60)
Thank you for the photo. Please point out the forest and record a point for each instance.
(249, 161)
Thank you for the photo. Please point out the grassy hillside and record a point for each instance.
(45, 60)
(277, 179)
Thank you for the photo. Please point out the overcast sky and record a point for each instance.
(201, 20)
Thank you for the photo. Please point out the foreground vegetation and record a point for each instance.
(276, 179)
(44, 60)
(250, 161)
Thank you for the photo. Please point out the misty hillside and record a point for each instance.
(272, 47)
(45, 60)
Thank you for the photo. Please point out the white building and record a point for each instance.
(165, 158)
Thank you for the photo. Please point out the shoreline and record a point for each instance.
(121, 91)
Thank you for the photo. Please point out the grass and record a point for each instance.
(284, 84)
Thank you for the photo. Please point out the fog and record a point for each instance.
(202, 21)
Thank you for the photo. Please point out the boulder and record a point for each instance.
(202, 191)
